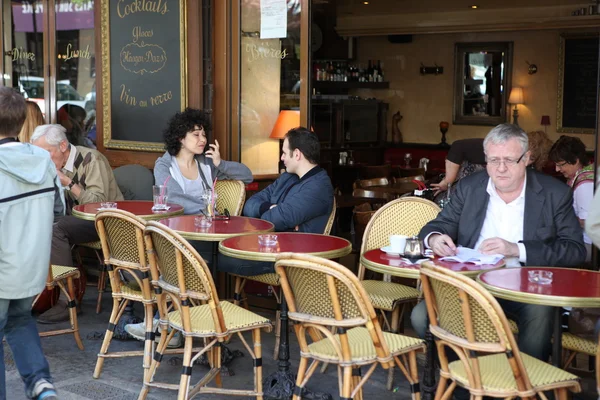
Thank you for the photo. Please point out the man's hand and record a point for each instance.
(214, 153)
(442, 245)
(64, 180)
(439, 187)
(499, 246)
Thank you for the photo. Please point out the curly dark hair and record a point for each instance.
(182, 123)
(569, 149)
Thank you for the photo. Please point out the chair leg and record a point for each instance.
(237, 294)
(569, 360)
(160, 349)
(277, 333)
(73, 312)
(560, 394)
(186, 369)
(347, 383)
(149, 342)
(300, 377)
(101, 287)
(112, 320)
(258, 368)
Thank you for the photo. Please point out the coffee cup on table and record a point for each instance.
(398, 243)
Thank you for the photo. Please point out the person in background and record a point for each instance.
(464, 158)
(190, 165)
(515, 211)
(33, 120)
(29, 184)
(300, 200)
(569, 155)
(539, 146)
(86, 177)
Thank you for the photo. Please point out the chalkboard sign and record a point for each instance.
(143, 70)
(577, 84)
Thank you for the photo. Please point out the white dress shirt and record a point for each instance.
(505, 220)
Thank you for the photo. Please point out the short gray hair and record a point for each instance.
(505, 132)
(54, 133)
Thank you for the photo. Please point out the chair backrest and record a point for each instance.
(122, 237)
(467, 318)
(372, 194)
(182, 272)
(366, 183)
(404, 216)
(331, 219)
(323, 293)
(408, 179)
(407, 172)
(231, 196)
(135, 181)
(374, 171)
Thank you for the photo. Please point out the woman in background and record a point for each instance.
(464, 158)
(33, 120)
(539, 147)
(569, 156)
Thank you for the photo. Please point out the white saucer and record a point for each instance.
(388, 250)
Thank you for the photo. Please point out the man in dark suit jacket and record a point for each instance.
(511, 210)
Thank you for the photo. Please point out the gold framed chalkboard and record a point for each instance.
(143, 70)
(577, 83)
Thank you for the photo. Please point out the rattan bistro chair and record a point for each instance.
(58, 275)
(272, 279)
(96, 247)
(321, 294)
(230, 196)
(122, 237)
(468, 319)
(404, 216)
(179, 272)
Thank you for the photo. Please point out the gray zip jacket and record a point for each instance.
(28, 187)
(227, 170)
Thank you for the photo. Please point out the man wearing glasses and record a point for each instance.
(515, 211)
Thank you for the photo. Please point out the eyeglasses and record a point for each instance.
(560, 165)
(509, 162)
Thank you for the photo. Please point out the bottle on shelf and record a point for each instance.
(380, 69)
(370, 72)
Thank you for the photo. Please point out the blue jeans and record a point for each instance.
(17, 324)
(535, 325)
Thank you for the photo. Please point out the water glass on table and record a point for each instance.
(160, 196)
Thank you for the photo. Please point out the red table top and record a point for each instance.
(247, 246)
(141, 208)
(377, 257)
(219, 230)
(569, 287)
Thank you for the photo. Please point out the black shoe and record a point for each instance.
(58, 313)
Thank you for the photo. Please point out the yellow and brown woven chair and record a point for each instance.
(230, 196)
(96, 247)
(180, 272)
(467, 319)
(122, 237)
(57, 276)
(321, 294)
(405, 216)
(272, 279)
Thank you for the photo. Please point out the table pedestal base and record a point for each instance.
(127, 318)
(227, 356)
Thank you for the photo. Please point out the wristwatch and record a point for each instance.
(70, 185)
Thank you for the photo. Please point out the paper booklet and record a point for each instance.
(467, 255)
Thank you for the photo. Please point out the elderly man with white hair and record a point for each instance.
(86, 177)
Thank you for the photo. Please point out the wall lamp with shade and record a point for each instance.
(287, 119)
(516, 97)
(545, 121)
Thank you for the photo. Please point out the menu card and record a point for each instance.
(467, 255)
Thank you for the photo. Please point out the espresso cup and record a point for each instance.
(398, 243)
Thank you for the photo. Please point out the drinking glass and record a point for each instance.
(203, 221)
(540, 277)
(160, 196)
(210, 204)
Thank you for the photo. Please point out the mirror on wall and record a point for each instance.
(482, 82)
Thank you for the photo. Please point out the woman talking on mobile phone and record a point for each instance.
(190, 165)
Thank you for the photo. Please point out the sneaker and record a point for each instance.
(175, 342)
(44, 390)
(58, 313)
(138, 331)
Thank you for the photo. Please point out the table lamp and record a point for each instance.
(516, 97)
(287, 119)
(545, 121)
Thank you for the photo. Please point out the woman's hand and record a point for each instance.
(439, 187)
(213, 153)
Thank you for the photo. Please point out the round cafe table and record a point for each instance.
(569, 288)
(379, 261)
(280, 384)
(219, 230)
(140, 208)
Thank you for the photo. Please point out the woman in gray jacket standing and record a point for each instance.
(191, 164)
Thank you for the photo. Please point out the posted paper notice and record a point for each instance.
(273, 19)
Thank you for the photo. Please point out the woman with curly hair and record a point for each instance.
(539, 147)
(33, 120)
(190, 165)
(569, 155)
